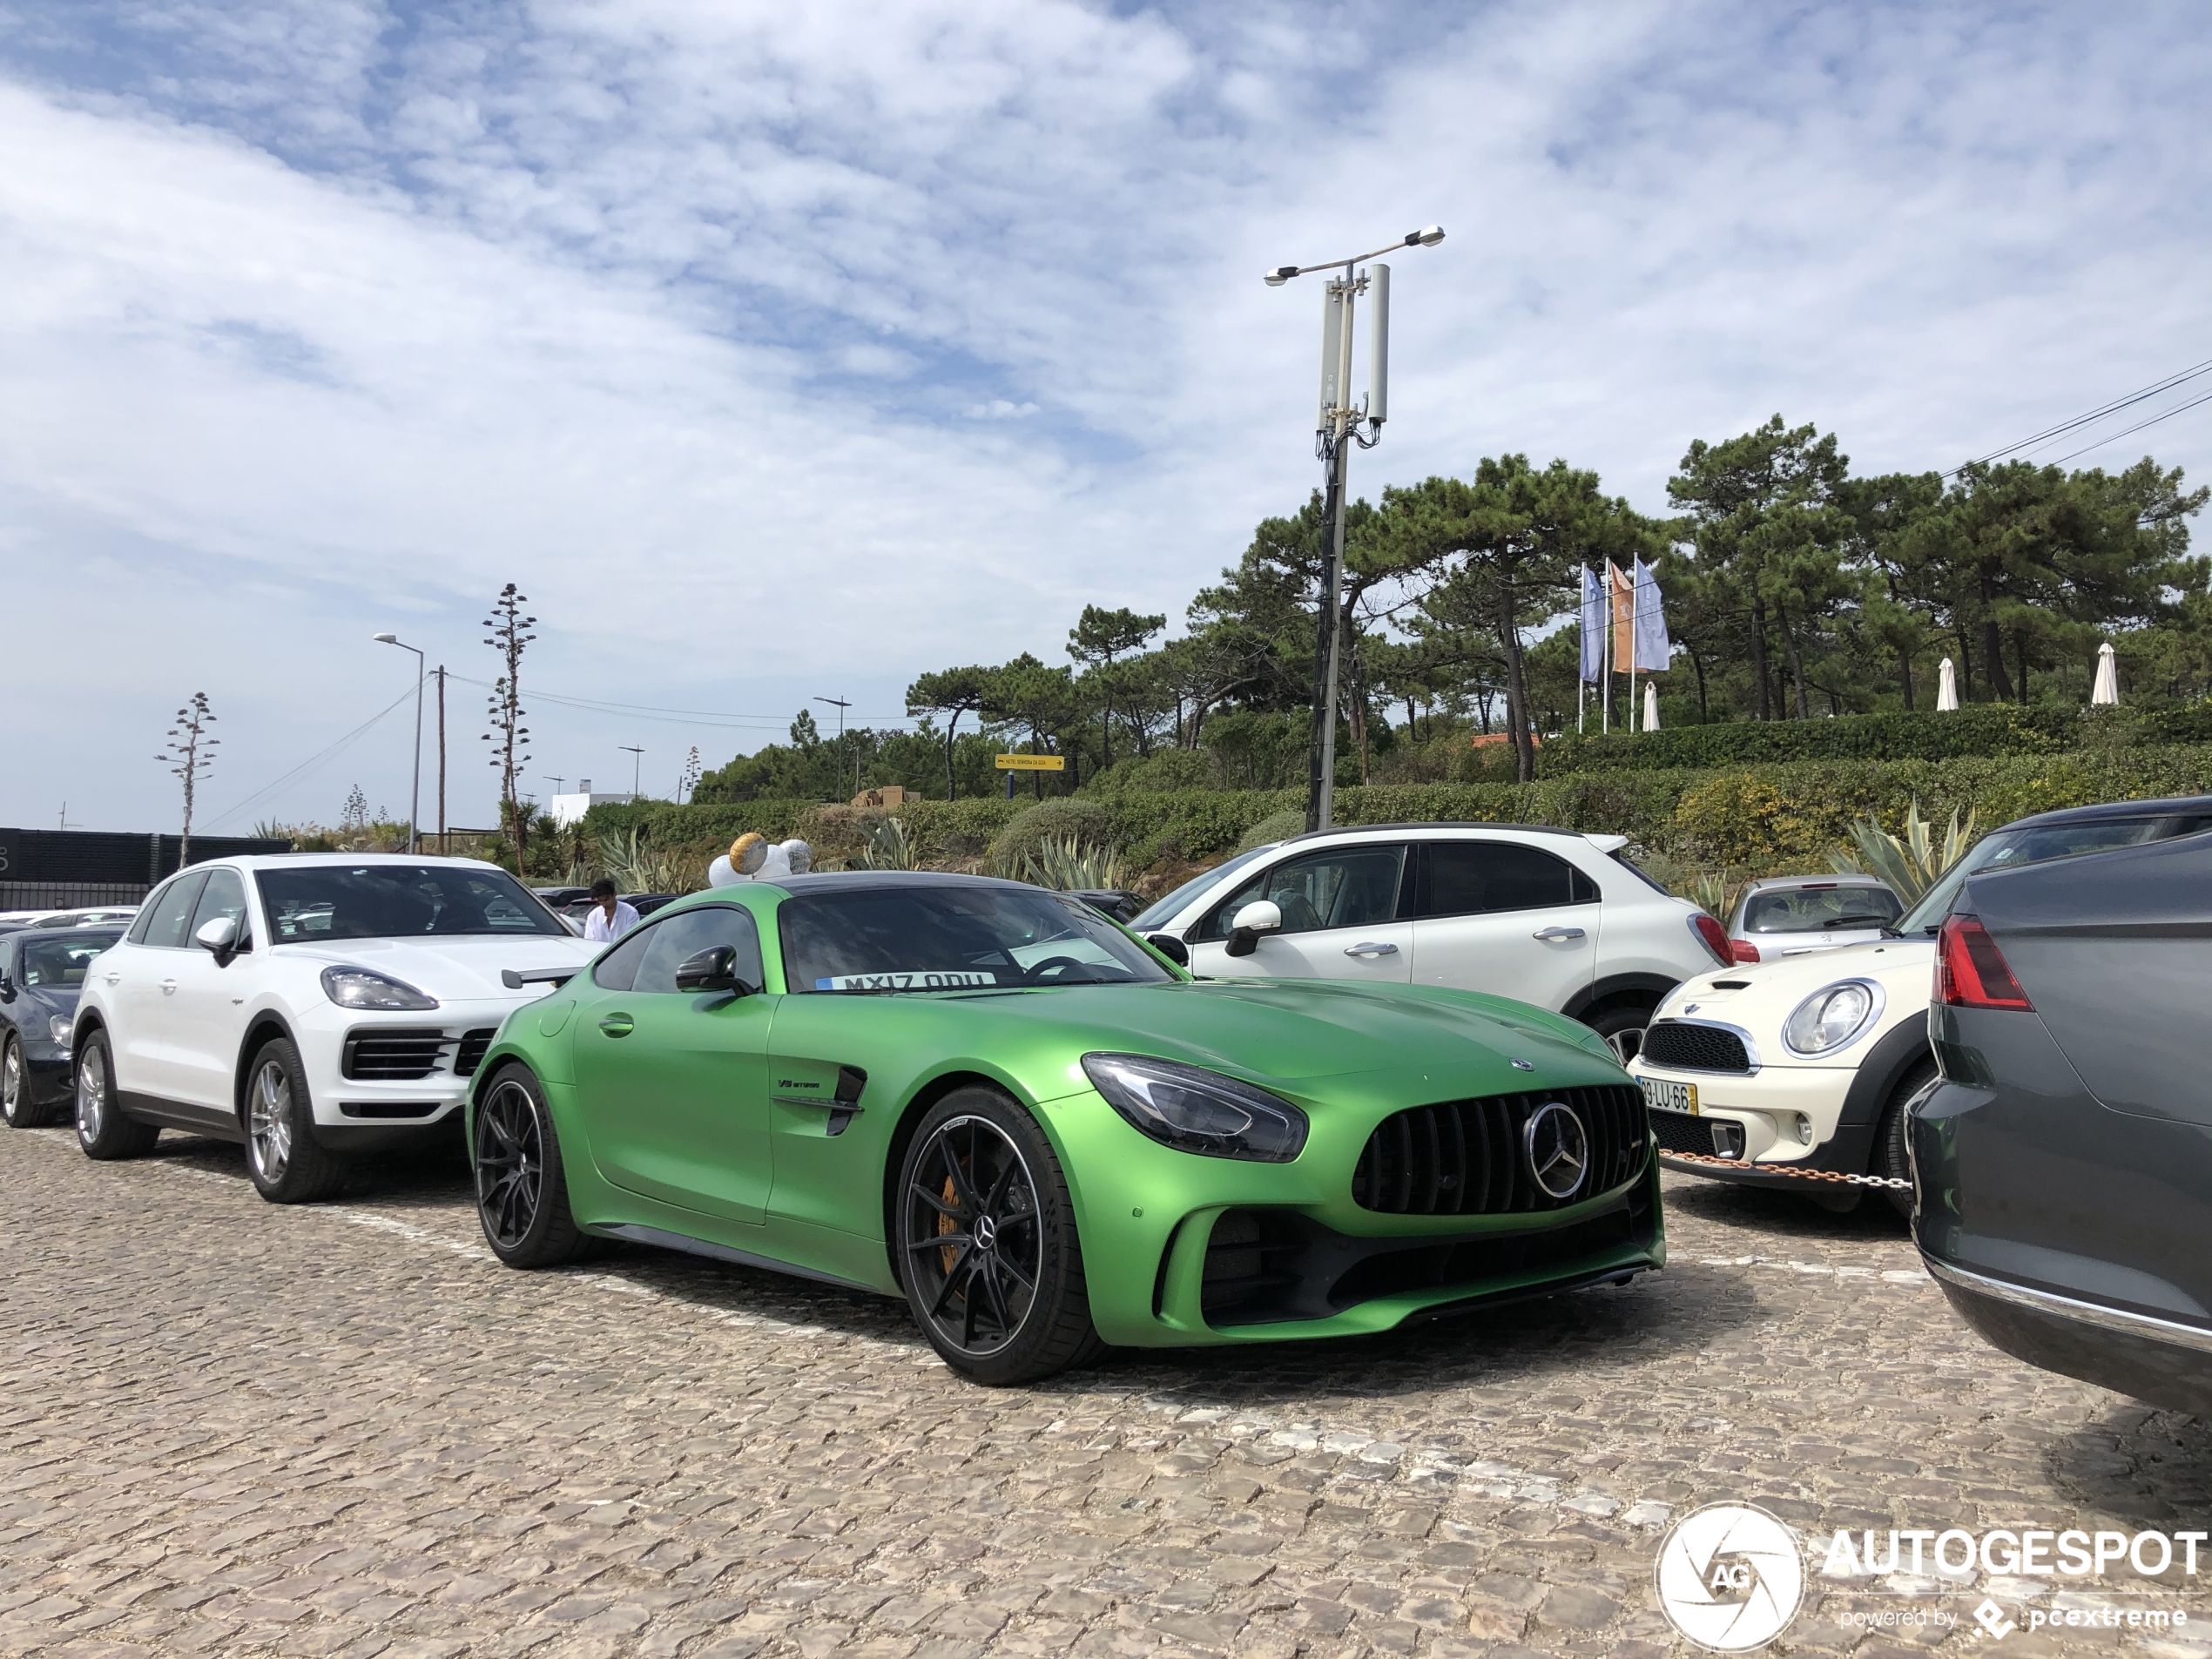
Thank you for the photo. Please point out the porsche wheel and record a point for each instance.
(14, 1087)
(101, 1130)
(287, 1163)
(987, 1237)
(522, 1191)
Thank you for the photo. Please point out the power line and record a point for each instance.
(311, 763)
(672, 717)
(2096, 414)
(2138, 426)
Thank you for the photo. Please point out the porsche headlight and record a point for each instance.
(364, 987)
(59, 1028)
(1832, 1017)
(1196, 1111)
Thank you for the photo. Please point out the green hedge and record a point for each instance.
(1763, 816)
(1979, 730)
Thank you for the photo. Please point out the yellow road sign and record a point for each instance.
(1033, 763)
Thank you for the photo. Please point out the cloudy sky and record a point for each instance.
(787, 350)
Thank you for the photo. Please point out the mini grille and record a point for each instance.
(389, 1055)
(1680, 1132)
(1694, 1048)
(471, 1052)
(1465, 1157)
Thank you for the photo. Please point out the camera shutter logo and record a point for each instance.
(1730, 1577)
(1558, 1149)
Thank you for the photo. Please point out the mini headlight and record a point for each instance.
(1196, 1111)
(1831, 1016)
(364, 987)
(60, 1026)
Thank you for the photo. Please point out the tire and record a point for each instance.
(101, 1130)
(1888, 1156)
(1001, 1297)
(521, 1186)
(16, 1104)
(287, 1163)
(1622, 1030)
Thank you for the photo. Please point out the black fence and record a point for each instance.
(95, 858)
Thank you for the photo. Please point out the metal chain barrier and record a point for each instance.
(1835, 1177)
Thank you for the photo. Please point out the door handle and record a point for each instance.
(115, 979)
(1557, 933)
(617, 1025)
(1371, 950)
(169, 988)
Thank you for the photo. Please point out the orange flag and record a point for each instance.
(1623, 590)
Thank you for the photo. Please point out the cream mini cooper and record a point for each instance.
(1808, 1062)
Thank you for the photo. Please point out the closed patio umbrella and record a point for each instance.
(1650, 706)
(2106, 690)
(1946, 686)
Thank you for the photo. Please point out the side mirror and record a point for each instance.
(714, 968)
(1170, 947)
(219, 936)
(1260, 916)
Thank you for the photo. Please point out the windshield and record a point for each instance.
(1820, 908)
(2003, 848)
(399, 901)
(953, 938)
(56, 961)
(1166, 910)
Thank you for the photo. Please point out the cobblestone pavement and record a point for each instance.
(228, 1428)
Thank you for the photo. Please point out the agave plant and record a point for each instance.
(888, 846)
(1719, 891)
(1911, 863)
(635, 866)
(1067, 864)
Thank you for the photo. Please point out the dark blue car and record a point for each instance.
(42, 972)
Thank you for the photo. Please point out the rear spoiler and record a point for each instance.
(515, 979)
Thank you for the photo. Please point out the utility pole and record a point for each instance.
(637, 765)
(840, 705)
(1337, 429)
(444, 851)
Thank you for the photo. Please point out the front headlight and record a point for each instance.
(364, 987)
(60, 1026)
(1196, 1111)
(1832, 1017)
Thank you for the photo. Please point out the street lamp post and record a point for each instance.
(415, 786)
(1337, 428)
(840, 705)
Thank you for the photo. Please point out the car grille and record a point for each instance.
(1680, 1132)
(470, 1055)
(389, 1055)
(1694, 1048)
(1465, 1157)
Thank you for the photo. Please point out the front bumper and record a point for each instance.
(47, 1076)
(378, 1080)
(1763, 1107)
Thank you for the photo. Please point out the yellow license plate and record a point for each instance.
(1665, 1096)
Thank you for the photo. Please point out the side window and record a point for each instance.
(1479, 878)
(690, 931)
(142, 922)
(1348, 887)
(168, 920)
(618, 969)
(223, 896)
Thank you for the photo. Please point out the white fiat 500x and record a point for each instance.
(1808, 1063)
(309, 1006)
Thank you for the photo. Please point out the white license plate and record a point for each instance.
(1665, 1096)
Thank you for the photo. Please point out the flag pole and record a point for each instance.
(1605, 723)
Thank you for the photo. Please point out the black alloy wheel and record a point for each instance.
(987, 1239)
(522, 1191)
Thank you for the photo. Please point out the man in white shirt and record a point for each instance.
(609, 919)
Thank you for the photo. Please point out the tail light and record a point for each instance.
(1743, 950)
(1971, 973)
(1714, 935)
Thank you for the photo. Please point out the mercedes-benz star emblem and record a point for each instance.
(1559, 1149)
(986, 1232)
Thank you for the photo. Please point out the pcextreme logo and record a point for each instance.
(1730, 1577)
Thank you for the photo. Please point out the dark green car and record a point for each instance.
(991, 1101)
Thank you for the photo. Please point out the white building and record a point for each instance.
(567, 809)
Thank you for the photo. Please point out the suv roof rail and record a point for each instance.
(1440, 823)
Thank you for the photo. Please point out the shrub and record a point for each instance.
(1064, 818)
(1169, 769)
(1276, 827)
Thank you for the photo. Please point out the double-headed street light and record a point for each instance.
(415, 801)
(1339, 419)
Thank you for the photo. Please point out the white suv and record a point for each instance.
(308, 1006)
(1549, 916)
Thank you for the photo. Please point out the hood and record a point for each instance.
(454, 969)
(1755, 986)
(1426, 1044)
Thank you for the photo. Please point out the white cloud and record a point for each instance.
(793, 352)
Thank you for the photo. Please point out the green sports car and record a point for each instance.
(993, 1101)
